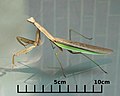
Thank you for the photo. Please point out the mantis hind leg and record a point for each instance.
(70, 35)
(71, 30)
(89, 59)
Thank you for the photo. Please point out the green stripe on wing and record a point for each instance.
(75, 49)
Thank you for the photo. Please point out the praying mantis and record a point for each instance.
(69, 45)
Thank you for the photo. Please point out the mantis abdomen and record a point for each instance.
(81, 47)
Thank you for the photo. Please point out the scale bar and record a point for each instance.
(57, 92)
(59, 87)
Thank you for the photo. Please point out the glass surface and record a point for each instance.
(99, 19)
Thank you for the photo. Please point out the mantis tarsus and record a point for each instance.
(70, 46)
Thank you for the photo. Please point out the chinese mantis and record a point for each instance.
(70, 46)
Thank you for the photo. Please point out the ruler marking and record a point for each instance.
(76, 88)
(34, 88)
(59, 88)
(51, 88)
(25, 88)
(93, 88)
(17, 88)
(101, 88)
(85, 88)
(67, 88)
(43, 88)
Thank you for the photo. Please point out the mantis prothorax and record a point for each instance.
(70, 46)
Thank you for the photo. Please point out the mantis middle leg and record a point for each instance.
(56, 54)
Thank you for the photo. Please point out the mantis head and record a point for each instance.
(31, 20)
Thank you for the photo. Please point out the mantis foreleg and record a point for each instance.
(24, 51)
(25, 42)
